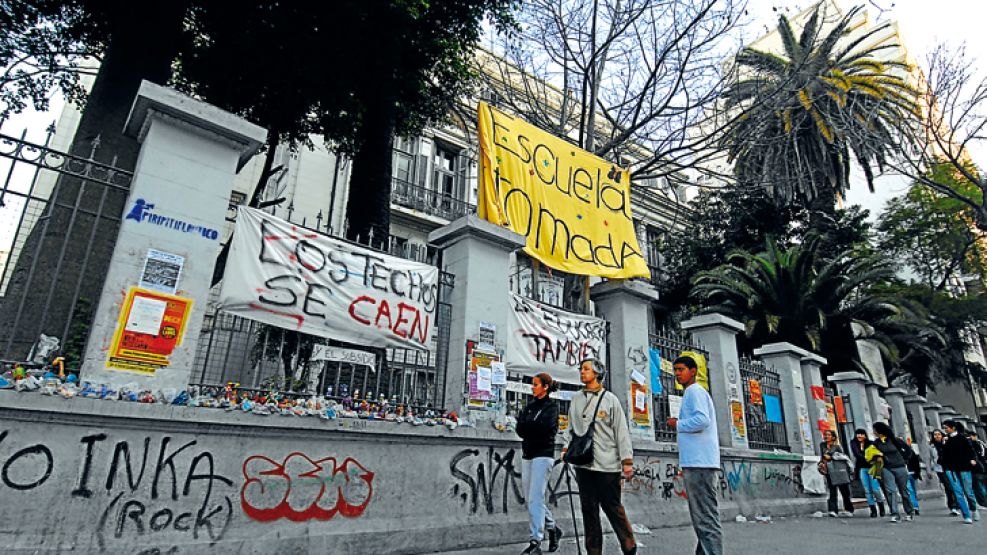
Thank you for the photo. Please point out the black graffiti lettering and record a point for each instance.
(209, 477)
(311, 299)
(179, 522)
(378, 274)
(525, 144)
(542, 164)
(581, 179)
(205, 520)
(341, 273)
(527, 202)
(168, 462)
(481, 487)
(132, 510)
(100, 538)
(82, 489)
(395, 275)
(160, 520)
(556, 224)
(123, 448)
(41, 478)
(267, 234)
(310, 256)
(272, 285)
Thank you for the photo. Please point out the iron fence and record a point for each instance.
(260, 356)
(670, 345)
(429, 201)
(765, 424)
(59, 216)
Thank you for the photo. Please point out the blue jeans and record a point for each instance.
(911, 491)
(534, 480)
(962, 484)
(872, 488)
(897, 479)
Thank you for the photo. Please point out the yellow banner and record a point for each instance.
(573, 207)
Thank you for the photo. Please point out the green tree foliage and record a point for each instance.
(807, 113)
(791, 294)
(934, 235)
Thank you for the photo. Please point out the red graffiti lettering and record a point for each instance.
(296, 317)
(360, 299)
(301, 489)
(406, 314)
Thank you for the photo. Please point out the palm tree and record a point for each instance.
(806, 112)
(790, 295)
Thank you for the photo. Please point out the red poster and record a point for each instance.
(756, 398)
(840, 410)
(151, 325)
(818, 393)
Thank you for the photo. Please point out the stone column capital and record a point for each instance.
(712, 321)
(840, 377)
(779, 349)
(472, 226)
(615, 288)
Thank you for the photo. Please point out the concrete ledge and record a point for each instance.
(631, 287)
(473, 226)
(155, 98)
(849, 377)
(813, 358)
(712, 321)
(781, 349)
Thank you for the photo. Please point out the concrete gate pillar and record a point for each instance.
(815, 396)
(625, 304)
(785, 359)
(947, 413)
(932, 418)
(899, 420)
(914, 404)
(875, 401)
(719, 335)
(478, 253)
(179, 197)
(853, 385)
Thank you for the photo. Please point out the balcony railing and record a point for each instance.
(429, 201)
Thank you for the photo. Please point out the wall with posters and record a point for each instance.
(159, 479)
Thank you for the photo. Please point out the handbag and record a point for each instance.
(839, 473)
(580, 450)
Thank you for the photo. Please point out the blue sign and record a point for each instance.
(141, 212)
(654, 362)
(772, 409)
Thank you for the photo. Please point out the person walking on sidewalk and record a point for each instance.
(914, 466)
(979, 473)
(613, 458)
(959, 460)
(837, 471)
(872, 487)
(895, 474)
(699, 456)
(537, 426)
(938, 443)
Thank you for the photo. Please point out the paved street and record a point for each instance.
(931, 534)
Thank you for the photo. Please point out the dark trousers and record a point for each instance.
(950, 496)
(980, 489)
(844, 490)
(601, 490)
(700, 486)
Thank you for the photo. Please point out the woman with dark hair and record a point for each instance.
(837, 470)
(958, 460)
(938, 443)
(872, 487)
(537, 425)
(895, 473)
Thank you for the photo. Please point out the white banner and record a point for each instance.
(541, 338)
(339, 354)
(294, 278)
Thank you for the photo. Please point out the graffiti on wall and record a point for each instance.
(299, 488)
(139, 489)
(481, 481)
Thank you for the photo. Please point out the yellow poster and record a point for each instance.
(574, 208)
(702, 372)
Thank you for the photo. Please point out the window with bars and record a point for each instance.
(763, 407)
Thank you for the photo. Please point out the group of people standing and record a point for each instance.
(888, 468)
(597, 418)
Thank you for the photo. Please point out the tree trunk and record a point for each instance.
(58, 262)
(368, 209)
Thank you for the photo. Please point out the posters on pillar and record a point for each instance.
(737, 427)
(293, 278)
(830, 416)
(674, 405)
(541, 338)
(573, 207)
(840, 409)
(756, 397)
(340, 354)
(161, 271)
(151, 325)
(641, 406)
(482, 393)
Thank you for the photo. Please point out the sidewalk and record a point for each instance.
(933, 533)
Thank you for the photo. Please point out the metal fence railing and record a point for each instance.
(762, 396)
(429, 201)
(670, 345)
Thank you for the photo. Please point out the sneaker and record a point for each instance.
(533, 549)
(845, 514)
(895, 519)
(909, 518)
(967, 521)
(916, 512)
(554, 535)
(954, 512)
(833, 514)
(976, 514)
